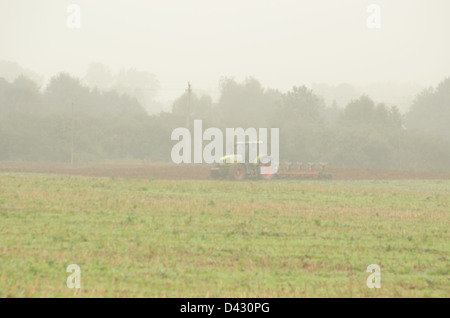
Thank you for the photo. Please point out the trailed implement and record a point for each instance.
(302, 170)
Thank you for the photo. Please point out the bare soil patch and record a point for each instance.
(194, 172)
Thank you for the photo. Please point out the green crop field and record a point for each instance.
(153, 238)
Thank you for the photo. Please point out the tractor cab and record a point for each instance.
(248, 151)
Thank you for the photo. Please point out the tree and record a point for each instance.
(201, 107)
(10, 71)
(141, 85)
(364, 111)
(430, 111)
(301, 105)
(21, 96)
(247, 104)
(64, 90)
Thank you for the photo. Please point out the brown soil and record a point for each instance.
(372, 174)
(195, 172)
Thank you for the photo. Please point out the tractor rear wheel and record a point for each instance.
(238, 172)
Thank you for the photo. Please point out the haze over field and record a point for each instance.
(281, 43)
(211, 148)
(352, 83)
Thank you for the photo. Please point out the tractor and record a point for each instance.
(237, 168)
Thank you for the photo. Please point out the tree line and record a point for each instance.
(109, 124)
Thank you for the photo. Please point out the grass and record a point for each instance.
(152, 238)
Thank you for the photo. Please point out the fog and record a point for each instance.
(281, 43)
(240, 148)
(351, 83)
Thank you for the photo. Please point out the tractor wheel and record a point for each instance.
(266, 172)
(224, 173)
(238, 172)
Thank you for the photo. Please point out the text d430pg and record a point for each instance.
(227, 307)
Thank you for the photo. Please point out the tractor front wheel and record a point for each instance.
(267, 172)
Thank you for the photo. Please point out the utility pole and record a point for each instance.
(188, 116)
(71, 148)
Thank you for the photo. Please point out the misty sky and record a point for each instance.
(281, 43)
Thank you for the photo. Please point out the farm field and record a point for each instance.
(195, 172)
(146, 237)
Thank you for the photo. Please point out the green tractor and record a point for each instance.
(237, 168)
